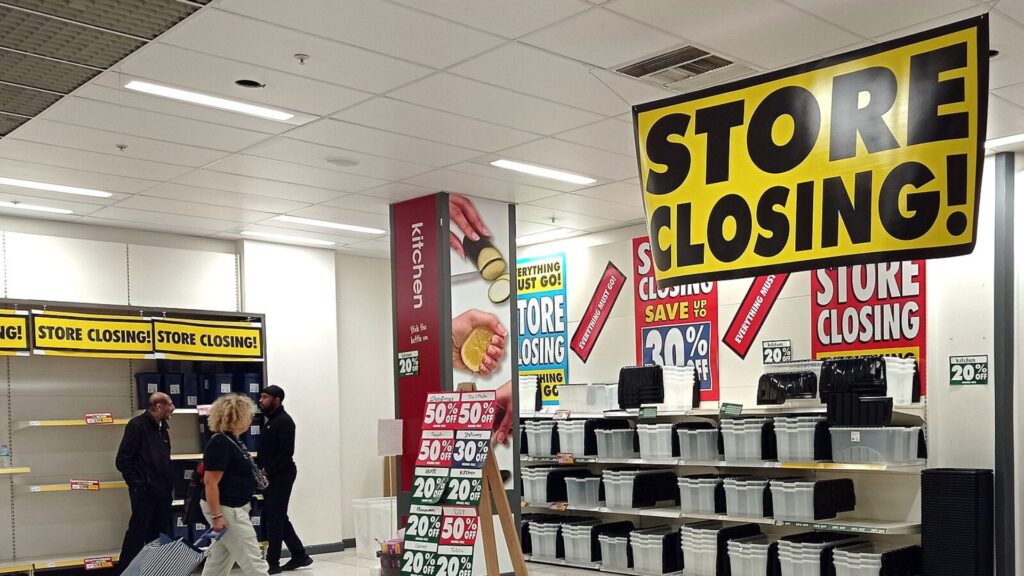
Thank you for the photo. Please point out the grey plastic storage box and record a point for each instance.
(545, 540)
(698, 445)
(618, 488)
(539, 437)
(745, 497)
(656, 550)
(583, 492)
(697, 493)
(655, 441)
(798, 500)
(536, 482)
(588, 398)
(616, 443)
(795, 437)
(615, 552)
(577, 541)
(571, 437)
(804, 558)
(891, 445)
(742, 438)
(749, 556)
(704, 545)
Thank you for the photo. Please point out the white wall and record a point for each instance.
(295, 288)
(365, 370)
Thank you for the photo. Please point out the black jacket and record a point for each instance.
(144, 458)
(277, 443)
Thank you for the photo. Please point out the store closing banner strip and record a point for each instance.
(869, 156)
(14, 333)
(57, 333)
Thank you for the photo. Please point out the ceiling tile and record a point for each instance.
(360, 203)
(578, 204)
(1012, 8)
(526, 69)
(145, 18)
(90, 161)
(69, 177)
(315, 155)
(767, 33)
(605, 39)
(976, 10)
(380, 26)
(193, 209)
(525, 228)
(492, 104)
(472, 185)
(145, 218)
(509, 19)
(257, 186)
(106, 88)
(147, 124)
(862, 17)
(288, 230)
(295, 173)
(147, 226)
(81, 205)
(211, 75)
(1006, 36)
(264, 44)
(398, 191)
(571, 157)
(631, 90)
(93, 140)
(485, 170)
(562, 219)
(627, 192)
(363, 252)
(612, 135)
(434, 125)
(1005, 118)
(225, 198)
(381, 143)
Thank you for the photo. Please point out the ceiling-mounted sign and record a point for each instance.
(91, 335)
(14, 332)
(870, 156)
(203, 339)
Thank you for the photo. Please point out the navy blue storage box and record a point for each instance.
(213, 385)
(190, 390)
(249, 384)
(173, 385)
(147, 383)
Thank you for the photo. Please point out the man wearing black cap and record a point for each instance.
(276, 448)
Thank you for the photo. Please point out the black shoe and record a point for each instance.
(296, 563)
(274, 570)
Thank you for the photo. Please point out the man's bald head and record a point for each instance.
(160, 406)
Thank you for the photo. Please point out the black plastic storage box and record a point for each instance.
(147, 383)
(850, 409)
(252, 437)
(640, 385)
(213, 385)
(204, 432)
(190, 390)
(249, 384)
(179, 527)
(184, 470)
(778, 387)
(653, 486)
(862, 375)
(957, 522)
(256, 515)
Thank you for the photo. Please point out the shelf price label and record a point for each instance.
(428, 485)
(99, 563)
(436, 448)
(419, 559)
(464, 488)
(471, 448)
(424, 524)
(99, 418)
(441, 411)
(777, 351)
(454, 561)
(968, 370)
(727, 410)
(476, 411)
(459, 527)
(90, 485)
(409, 363)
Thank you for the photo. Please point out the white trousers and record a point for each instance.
(237, 545)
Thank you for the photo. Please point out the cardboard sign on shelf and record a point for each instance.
(89, 485)
(99, 418)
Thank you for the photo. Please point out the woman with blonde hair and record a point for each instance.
(230, 480)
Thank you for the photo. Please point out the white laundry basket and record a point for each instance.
(374, 519)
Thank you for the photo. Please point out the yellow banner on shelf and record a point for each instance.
(91, 335)
(199, 339)
(870, 156)
(14, 332)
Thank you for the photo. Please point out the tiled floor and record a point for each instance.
(347, 564)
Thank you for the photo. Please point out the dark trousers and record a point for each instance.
(277, 528)
(151, 515)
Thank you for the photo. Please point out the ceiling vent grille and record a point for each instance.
(686, 69)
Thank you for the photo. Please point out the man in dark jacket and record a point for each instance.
(144, 460)
(276, 448)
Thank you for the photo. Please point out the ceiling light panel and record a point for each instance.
(42, 73)
(543, 172)
(63, 40)
(34, 208)
(329, 224)
(23, 101)
(144, 18)
(208, 100)
(18, 183)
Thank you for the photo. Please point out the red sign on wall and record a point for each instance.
(607, 292)
(753, 311)
(870, 309)
(676, 326)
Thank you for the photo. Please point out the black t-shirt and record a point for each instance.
(225, 454)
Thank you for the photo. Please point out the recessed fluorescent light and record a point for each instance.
(328, 224)
(54, 187)
(546, 236)
(207, 100)
(543, 172)
(286, 238)
(34, 207)
(1005, 141)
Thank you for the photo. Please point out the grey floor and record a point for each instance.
(347, 564)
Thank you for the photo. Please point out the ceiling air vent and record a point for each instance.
(686, 69)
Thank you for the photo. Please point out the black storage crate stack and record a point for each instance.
(957, 522)
(640, 385)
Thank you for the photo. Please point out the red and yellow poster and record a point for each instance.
(676, 326)
(870, 309)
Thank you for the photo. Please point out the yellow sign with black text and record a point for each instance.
(869, 156)
(91, 335)
(200, 339)
(14, 332)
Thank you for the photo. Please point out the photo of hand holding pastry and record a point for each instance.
(478, 341)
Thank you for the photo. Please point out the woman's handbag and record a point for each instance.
(259, 475)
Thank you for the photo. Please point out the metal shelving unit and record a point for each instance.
(824, 466)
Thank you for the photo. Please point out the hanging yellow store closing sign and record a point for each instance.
(91, 335)
(14, 336)
(869, 156)
(196, 339)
